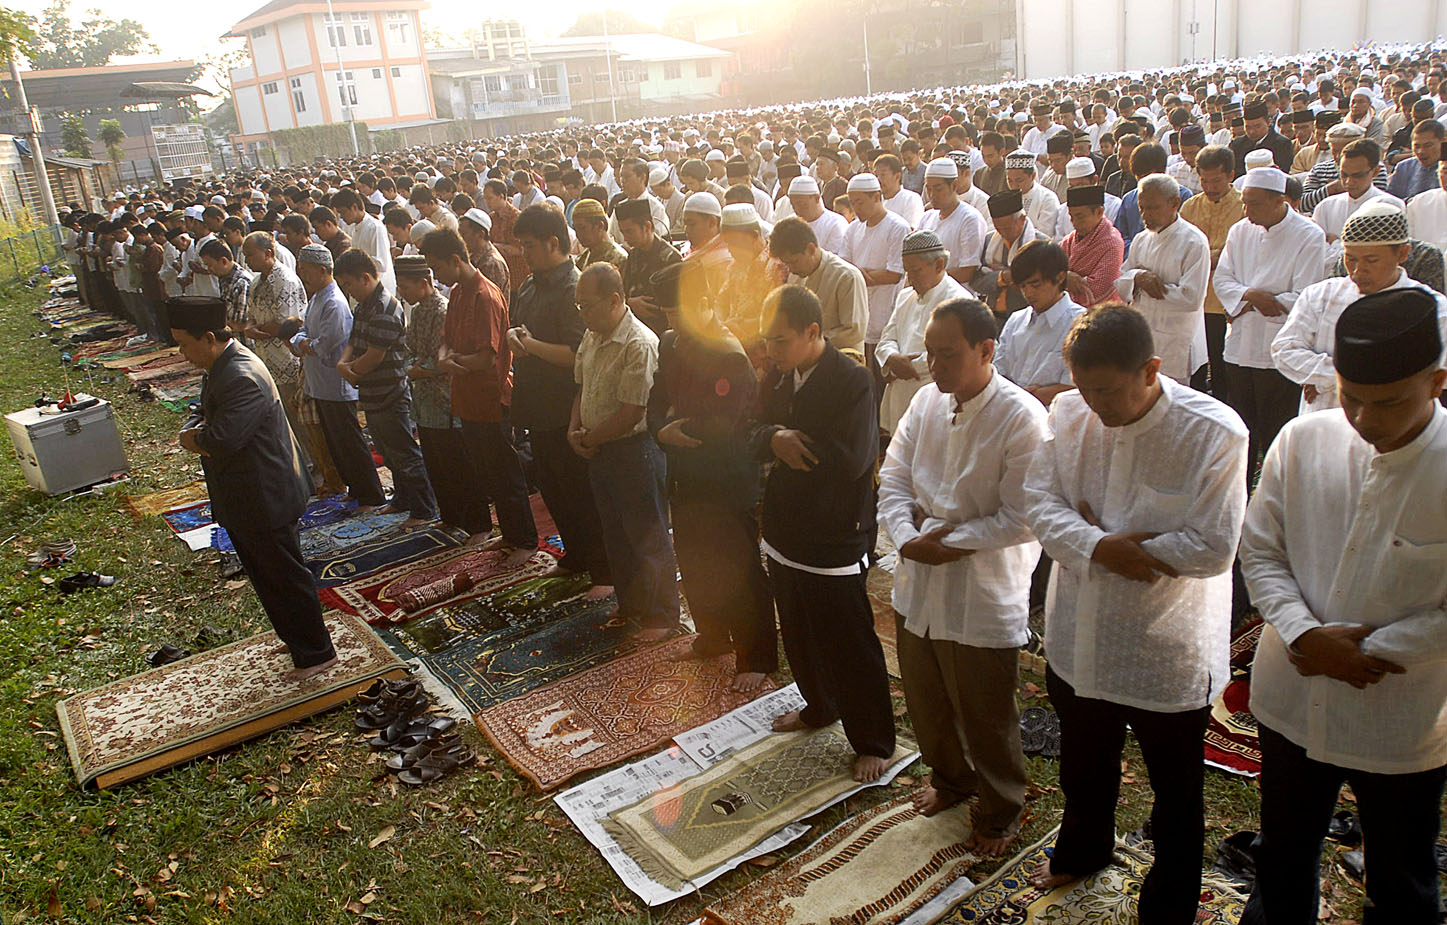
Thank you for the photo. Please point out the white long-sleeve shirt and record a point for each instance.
(1179, 471)
(370, 236)
(1302, 350)
(1427, 217)
(877, 247)
(1180, 255)
(962, 232)
(904, 334)
(1331, 215)
(1042, 207)
(1339, 533)
(1029, 351)
(1283, 260)
(965, 470)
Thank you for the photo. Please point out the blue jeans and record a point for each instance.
(391, 429)
(628, 487)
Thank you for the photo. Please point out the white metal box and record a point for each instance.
(63, 451)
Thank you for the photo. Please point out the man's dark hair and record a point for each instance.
(216, 249)
(976, 321)
(1147, 159)
(739, 194)
(496, 187)
(234, 224)
(609, 280)
(792, 235)
(296, 223)
(1430, 127)
(1215, 157)
(542, 221)
(355, 262)
(321, 215)
(1113, 335)
(443, 243)
(798, 306)
(346, 198)
(421, 193)
(398, 216)
(1365, 148)
(1043, 258)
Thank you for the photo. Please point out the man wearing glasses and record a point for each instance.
(1359, 164)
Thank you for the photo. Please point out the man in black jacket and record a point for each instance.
(819, 426)
(254, 475)
(1261, 134)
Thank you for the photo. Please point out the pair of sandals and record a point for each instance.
(427, 751)
(1236, 854)
(387, 703)
(208, 637)
(84, 581)
(54, 553)
(1040, 732)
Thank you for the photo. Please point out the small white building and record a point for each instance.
(294, 79)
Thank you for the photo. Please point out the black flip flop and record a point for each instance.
(82, 581)
(1345, 829)
(1236, 858)
(166, 654)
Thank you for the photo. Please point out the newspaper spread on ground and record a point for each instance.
(197, 539)
(590, 802)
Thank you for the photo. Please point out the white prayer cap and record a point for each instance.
(941, 168)
(1261, 157)
(740, 216)
(803, 185)
(421, 229)
(216, 200)
(863, 183)
(479, 218)
(1078, 167)
(1267, 178)
(704, 203)
(715, 154)
(555, 201)
(656, 176)
(1021, 117)
(766, 145)
(195, 212)
(1345, 131)
(1362, 91)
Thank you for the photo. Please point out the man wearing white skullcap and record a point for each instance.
(1376, 247)
(1258, 158)
(1357, 165)
(1268, 260)
(1080, 172)
(803, 200)
(872, 243)
(1360, 112)
(960, 227)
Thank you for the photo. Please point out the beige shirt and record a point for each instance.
(843, 297)
(615, 370)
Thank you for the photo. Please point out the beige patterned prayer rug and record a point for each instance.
(691, 828)
(875, 869)
(619, 709)
(159, 502)
(142, 724)
(1107, 897)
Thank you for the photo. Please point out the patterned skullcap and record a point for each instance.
(922, 243)
(315, 253)
(1020, 160)
(1376, 223)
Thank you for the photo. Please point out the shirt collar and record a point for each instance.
(962, 414)
(622, 333)
(1158, 411)
(1052, 315)
(1403, 455)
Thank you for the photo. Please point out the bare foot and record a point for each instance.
(1043, 879)
(598, 593)
(557, 571)
(281, 649)
(516, 557)
(412, 522)
(656, 634)
(991, 847)
(869, 768)
(928, 801)
(496, 542)
(297, 675)
(793, 721)
(747, 682)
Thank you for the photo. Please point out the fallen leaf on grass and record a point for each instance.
(383, 836)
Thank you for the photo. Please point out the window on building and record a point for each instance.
(269, 88)
(574, 79)
(672, 70)
(376, 73)
(517, 81)
(398, 27)
(362, 28)
(396, 72)
(298, 98)
(642, 73)
(600, 77)
(548, 80)
(336, 31)
(347, 88)
(703, 68)
(493, 83)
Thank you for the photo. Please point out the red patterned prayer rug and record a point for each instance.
(617, 710)
(1231, 742)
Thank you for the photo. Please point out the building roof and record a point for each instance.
(277, 10)
(642, 46)
(79, 88)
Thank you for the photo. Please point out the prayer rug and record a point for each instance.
(1231, 739)
(145, 723)
(514, 610)
(159, 502)
(332, 538)
(875, 869)
(366, 557)
(690, 829)
(417, 588)
(617, 710)
(189, 518)
(489, 669)
(319, 512)
(151, 354)
(1107, 897)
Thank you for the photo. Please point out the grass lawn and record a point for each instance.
(303, 825)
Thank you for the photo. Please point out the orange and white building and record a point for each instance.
(294, 80)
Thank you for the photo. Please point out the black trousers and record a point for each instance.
(1266, 400)
(495, 467)
(1401, 818)
(349, 451)
(1092, 736)
(828, 630)
(461, 502)
(562, 479)
(717, 545)
(1212, 377)
(273, 561)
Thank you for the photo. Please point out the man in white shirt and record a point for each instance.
(1267, 261)
(901, 201)
(1345, 554)
(900, 351)
(961, 229)
(194, 279)
(952, 496)
(1137, 496)
(1034, 141)
(965, 188)
(839, 286)
(1029, 351)
(1041, 205)
(1165, 276)
(1427, 212)
(1358, 165)
(527, 193)
(1376, 244)
(368, 234)
(633, 175)
(660, 184)
(872, 243)
(803, 200)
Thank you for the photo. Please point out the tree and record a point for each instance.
(17, 34)
(74, 137)
(60, 43)
(619, 23)
(111, 135)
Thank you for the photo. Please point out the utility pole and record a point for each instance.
(37, 156)
(608, 50)
(868, 84)
(341, 76)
